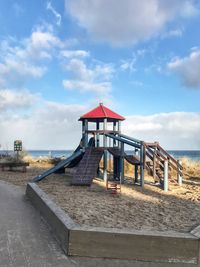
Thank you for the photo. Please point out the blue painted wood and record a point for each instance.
(128, 142)
(142, 165)
(122, 164)
(130, 138)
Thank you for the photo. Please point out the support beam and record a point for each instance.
(114, 129)
(142, 165)
(122, 164)
(83, 133)
(124, 141)
(166, 182)
(136, 174)
(154, 165)
(98, 141)
(86, 133)
(119, 127)
(119, 131)
(109, 156)
(179, 176)
(105, 151)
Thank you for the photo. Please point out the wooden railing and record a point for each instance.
(156, 153)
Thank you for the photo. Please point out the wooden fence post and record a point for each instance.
(122, 163)
(166, 182)
(179, 178)
(142, 164)
(105, 151)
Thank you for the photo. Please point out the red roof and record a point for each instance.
(101, 112)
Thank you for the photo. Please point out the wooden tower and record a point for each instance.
(98, 122)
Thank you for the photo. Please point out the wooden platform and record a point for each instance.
(12, 165)
(132, 159)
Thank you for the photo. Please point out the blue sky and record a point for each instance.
(59, 59)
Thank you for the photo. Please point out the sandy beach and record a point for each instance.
(149, 208)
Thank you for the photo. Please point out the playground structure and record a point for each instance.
(104, 138)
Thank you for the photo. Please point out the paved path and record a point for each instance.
(25, 240)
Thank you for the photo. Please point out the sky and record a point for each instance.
(61, 58)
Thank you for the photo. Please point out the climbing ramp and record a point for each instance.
(87, 168)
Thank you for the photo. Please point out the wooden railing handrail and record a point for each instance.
(170, 157)
(173, 164)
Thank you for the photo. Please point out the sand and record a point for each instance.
(135, 208)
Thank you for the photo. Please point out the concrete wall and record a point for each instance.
(57, 219)
(148, 246)
(134, 245)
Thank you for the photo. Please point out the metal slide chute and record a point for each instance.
(61, 164)
(70, 162)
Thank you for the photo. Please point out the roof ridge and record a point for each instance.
(104, 111)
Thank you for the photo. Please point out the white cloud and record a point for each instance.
(43, 40)
(10, 99)
(173, 33)
(188, 68)
(84, 86)
(128, 21)
(128, 65)
(74, 53)
(175, 130)
(96, 79)
(98, 71)
(27, 58)
(54, 126)
(12, 67)
(55, 13)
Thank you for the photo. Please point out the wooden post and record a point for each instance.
(119, 131)
(154, 165)
(17, 155)
(122, 163)
(136, 174)
(105, 151)
(142, 165)
(116, 168)
(97, 128)
(109, 156)
(97, 144)
(83, 133)
(166, 182)
(179, 177)
(114, 129)
(144, 155)
(86, 133)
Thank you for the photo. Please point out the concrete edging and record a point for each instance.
(149, 246)
(57, 219)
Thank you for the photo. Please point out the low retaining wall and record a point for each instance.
(58, 220)
(149, 246)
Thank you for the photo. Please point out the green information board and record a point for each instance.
(17, 145)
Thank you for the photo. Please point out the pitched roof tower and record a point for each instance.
(100, 113)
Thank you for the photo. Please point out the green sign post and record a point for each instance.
(17, 147)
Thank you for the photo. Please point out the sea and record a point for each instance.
(177, 154)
